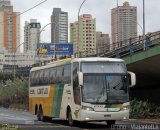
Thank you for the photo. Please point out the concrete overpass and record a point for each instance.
(143, 58)
(146, 65)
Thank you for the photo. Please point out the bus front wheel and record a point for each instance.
(69, 117)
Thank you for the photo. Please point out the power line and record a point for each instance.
(25, 10)
(33, 7)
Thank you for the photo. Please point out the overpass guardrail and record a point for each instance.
(132, 46)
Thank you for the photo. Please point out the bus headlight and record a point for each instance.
(125, 107)
(87, 108)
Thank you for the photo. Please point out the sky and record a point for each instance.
(100, 9)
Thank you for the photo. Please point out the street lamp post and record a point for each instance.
(138, 25)
(143, 23)
(79, 54)
(54, 35)
(14, 71)
(143, 17)
(117, 23)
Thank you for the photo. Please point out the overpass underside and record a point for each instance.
(146, 66)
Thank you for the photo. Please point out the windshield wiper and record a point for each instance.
(107, 90)
(101, 93)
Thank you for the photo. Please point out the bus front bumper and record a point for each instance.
(103, 116)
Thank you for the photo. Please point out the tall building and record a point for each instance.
(59, 26)
(31, 35)
(103, 42)
(87, 36)
(9, 27)
(123, 24)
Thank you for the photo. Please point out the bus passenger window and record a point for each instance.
(41, 76)
(37, 73)
(76, 89)
(52, 76)
(59, 74)
(67, 74)
(32, 75)
(46, 74)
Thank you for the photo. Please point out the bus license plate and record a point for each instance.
(107, 115)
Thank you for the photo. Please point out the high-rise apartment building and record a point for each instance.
(31, 35)
(59, 26)
(9, 27)
(123, 23)
(86, 45)
(103, 42)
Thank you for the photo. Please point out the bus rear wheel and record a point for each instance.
(110, 122)
(40, 115)
(69, 117)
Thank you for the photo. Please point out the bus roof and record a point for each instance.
(97, 59)
(53, 64)
(70, 60)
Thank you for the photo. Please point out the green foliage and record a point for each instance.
(14, 92)
(9, 127)
(6, 76)
(143, 109)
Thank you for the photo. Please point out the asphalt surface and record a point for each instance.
(62, 125)
(10, 116)
(26, 121)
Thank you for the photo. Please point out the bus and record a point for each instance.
(81, 89)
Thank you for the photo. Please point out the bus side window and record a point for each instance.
(41, 75)
(52, 76)
(49, 76)
(76, 88)
(59, 74)
(67, 74)
(32, 74)
(37, 76)
(46, 76)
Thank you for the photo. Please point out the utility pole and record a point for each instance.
(144, 23)
(78, 46)
(117, 25)
(143, 17)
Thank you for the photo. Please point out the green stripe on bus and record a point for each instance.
(57, 100)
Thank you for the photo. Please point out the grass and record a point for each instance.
(9, 127)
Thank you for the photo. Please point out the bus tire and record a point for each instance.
(69, 117)
(36, 109)
(110, 123)
(40, 114)
(47, 119)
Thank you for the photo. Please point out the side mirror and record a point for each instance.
(80, 78)
(132, 79)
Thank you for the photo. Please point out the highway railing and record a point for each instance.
(132, 46)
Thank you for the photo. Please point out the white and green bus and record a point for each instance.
(81, 89)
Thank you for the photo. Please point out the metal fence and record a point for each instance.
(131, 46)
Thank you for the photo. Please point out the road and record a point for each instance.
(9, 116)
(62, 125)
(26, 121)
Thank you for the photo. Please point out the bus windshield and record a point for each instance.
(105, 88)
(103, 67)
